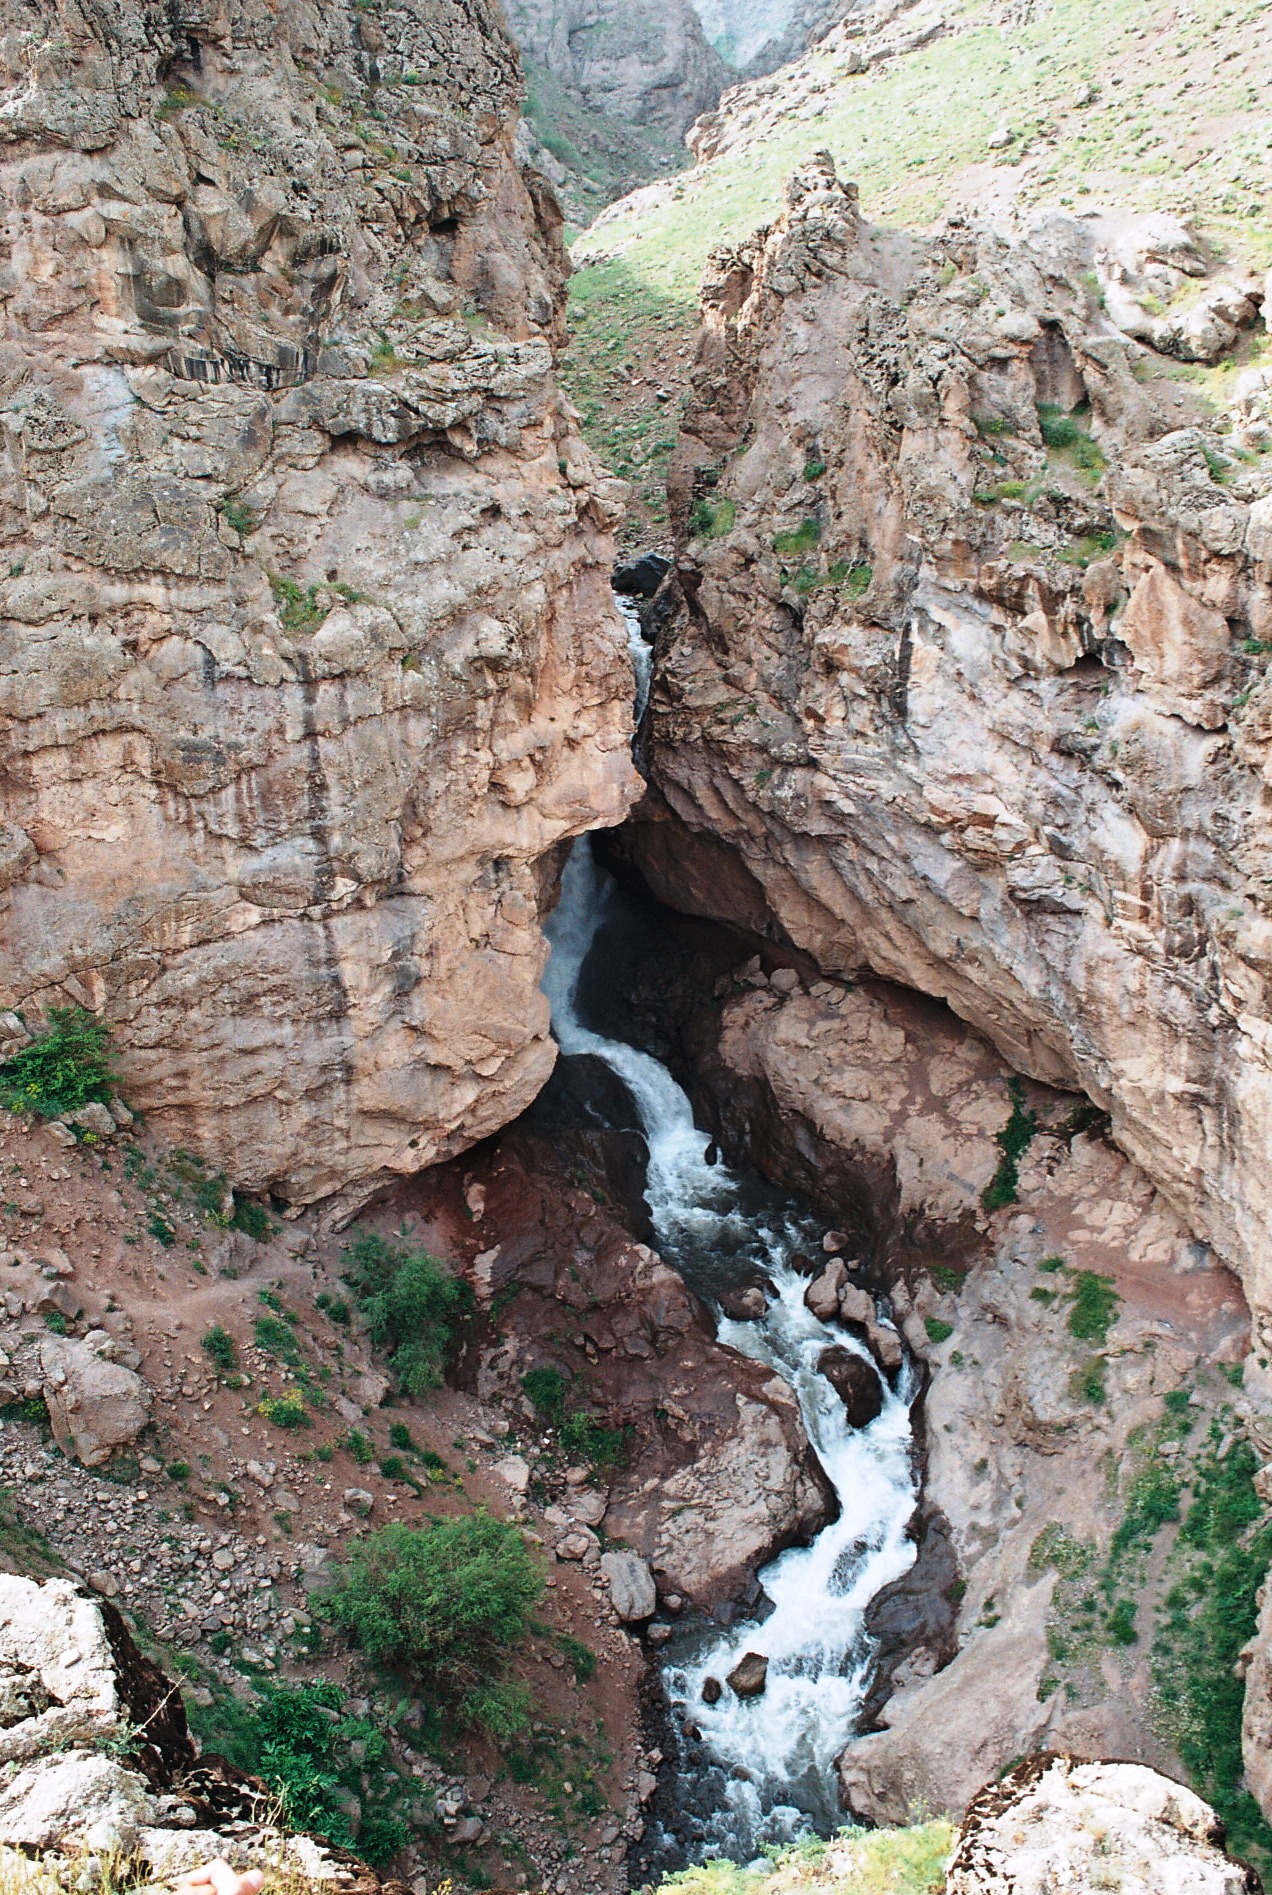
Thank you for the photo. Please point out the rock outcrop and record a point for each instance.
(101, 1764)
(1053, 1823)
(966, 684)
(95, 1404)
(307, 652)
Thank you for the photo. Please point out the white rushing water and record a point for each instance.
(775, 1753)
(642, 653)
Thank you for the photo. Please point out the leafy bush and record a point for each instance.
(447, 1601)
(583, 1438)
(238, 516)
(285, 1411)
(298, 1739)
(415, 1308)
(178, 1471)
(400, 1435)
(359, 1447)
(298, 606)
(545, 1389)
(937, 1331)
(1013, 1142)
(63, 1068)
(252, 1219)
(219, 1344)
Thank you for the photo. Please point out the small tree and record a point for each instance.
(414, 1306)
(447, 1601)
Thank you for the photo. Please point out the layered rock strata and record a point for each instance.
(307, 653)
(965, 681)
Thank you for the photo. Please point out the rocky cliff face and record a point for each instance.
(966, 665)
(307, 654)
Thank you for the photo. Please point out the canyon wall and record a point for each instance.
(962, 675)
(307, 650)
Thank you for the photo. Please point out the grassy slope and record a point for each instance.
(856, 1862)
(1180, 120)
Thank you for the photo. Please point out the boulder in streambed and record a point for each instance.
(712, 1690)
(822, 1295)
(750, 1675)
(632, 1591)
(855, 1382)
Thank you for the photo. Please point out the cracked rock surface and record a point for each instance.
(307, 651)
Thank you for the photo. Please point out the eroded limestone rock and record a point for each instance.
(1053, 1823)
(95, 1404)
(966, 681)
(307, 652)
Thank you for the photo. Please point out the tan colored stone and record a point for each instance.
(1180, 644)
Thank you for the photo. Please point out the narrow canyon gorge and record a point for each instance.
(635, 960)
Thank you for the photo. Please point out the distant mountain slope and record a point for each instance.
(1068, 101)
(613, 86)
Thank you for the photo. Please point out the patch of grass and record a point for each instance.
(359, 1447)
(546, 1390)
(712, 519)
(1013, 1142)
(400, 1435)
(802, 539)
(583, 1438)
(1218, 1563)
(1087, 1383)
(219, 1345)
(947, 1277)
(581, 1657)
(178, 1471)
(298, 606)
(277, 1338)
(448, 1602)
(854, 1862)
(1094, 1306)
(937, 1331)
(66, 1066)
(238, 516)
(415, 1308)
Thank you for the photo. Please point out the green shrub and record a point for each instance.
(297, 606)
(276, 1338)
(252, 1219)
(359, 1447)
(285, 1411)
(219, 1344)
(545, 1389)
(63, 1068)
(814, 468)
(311, 1754)
(161, 1230)
(937, 1331)
(400, 1435)
(582, 1658)
(334, 1308)
(1087, 1383)
(583, 1438)
(393, 1467)
(414, 1307)
(1013, 1142)
(502, 1709)
(178, 1470)
(1094, 1306)
(447, 1601)
(238, 516)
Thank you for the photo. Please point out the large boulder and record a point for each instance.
(95, 1405)
(854, 1380)
(750, 1675)
(1052, 1823)
(632, 1592)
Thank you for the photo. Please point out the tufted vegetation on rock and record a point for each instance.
(66, 1066)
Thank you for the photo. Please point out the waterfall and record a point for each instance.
(772, 1756)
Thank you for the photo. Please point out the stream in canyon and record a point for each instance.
(762, 1767)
